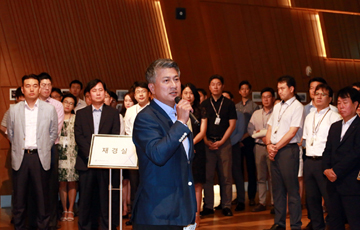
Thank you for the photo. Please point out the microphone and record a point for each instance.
(177, 99)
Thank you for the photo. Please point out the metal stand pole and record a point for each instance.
(110, 198)
(121, 189)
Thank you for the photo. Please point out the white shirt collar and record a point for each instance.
(349, 121)
(100, 109)
(36, 104)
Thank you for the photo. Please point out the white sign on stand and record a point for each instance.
(113, 152)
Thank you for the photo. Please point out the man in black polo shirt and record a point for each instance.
(221, 123)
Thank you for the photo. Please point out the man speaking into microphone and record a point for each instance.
(166, 196)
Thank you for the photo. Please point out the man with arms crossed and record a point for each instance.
(341, 163)
(166, 196)
(32, 130)
(316, 128)
(284, 132)
(258, 125)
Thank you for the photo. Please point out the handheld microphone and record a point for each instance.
(177, 99)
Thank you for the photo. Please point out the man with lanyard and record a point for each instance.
(222, 117)
(284, 132)
(316, 128)
(257, 128)
(313, 83)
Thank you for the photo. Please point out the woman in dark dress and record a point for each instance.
(190, 94)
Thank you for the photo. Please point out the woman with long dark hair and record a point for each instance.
(191, 94)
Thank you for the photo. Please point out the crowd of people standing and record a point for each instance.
(283, 147)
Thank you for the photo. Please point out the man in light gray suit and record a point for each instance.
(32, 130)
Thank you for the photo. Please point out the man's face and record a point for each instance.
(216, 87)
(322, 99)
(45, 88)
(312, 88)
(30, 89)
(167, 86)
(244, 91)
(56, 96)
(75, 89)
(87, 98)
(285, 92)
(97, 94)
(346, 107)
(141, 95)
(267, 99)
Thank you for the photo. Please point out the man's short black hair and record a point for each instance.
(268, 89)
(18, 93)
(44, 76)
(203, 91)
(245, 83)
(325, 87)
(349, 92)
(141, 84)
(57, 90)
(318, 79)
(216, 76)
(29, 76)
(91, 84)
(76, 82)
(290, 81)
(230, 94)
(113, 95)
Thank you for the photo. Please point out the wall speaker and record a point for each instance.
(180, 13)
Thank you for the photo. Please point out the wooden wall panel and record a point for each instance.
(332, 5)
(342, 35)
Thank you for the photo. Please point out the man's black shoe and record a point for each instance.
(206, 211)
(252, 202)
(218, 207)
(227, 212)
(259, 208)
(276, 227)
(240, 207)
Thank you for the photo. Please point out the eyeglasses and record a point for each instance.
(69, 103)
(322, 94)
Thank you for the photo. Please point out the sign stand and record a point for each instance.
(113, 152)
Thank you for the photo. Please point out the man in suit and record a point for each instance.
(341, 163)
(166, 196)
(32, 130)
(96, 118)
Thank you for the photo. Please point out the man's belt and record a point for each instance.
(30, 151)
(315, 158)
(260, 144)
